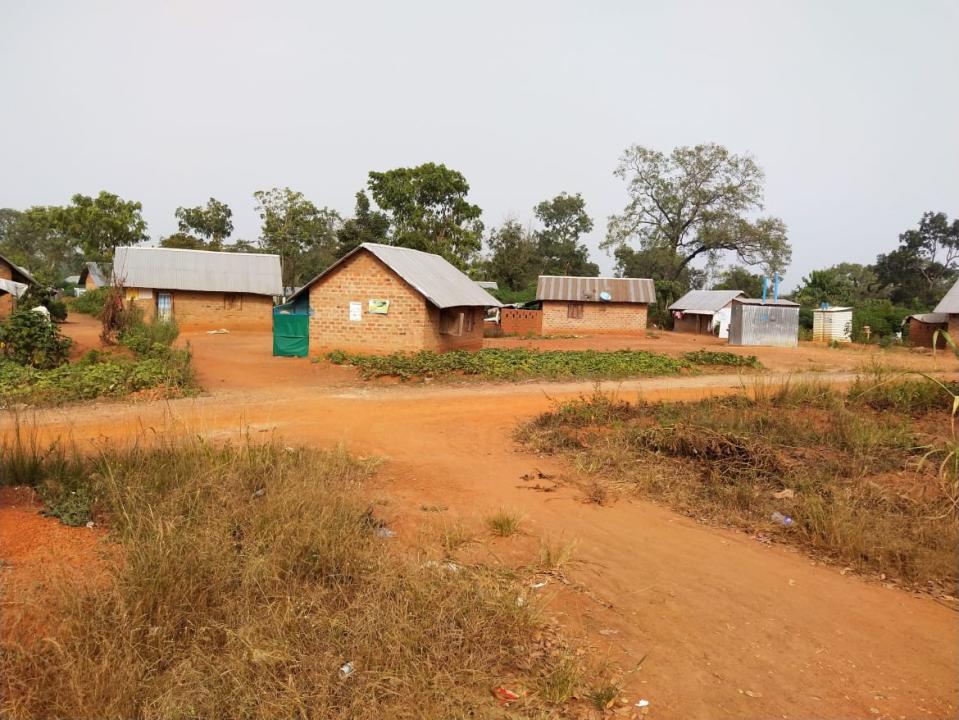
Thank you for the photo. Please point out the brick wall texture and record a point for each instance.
(6, 299)
(920, 334)
(954, 327)
(521, 322)
(612, 317)
(194, 310)
(411, 324)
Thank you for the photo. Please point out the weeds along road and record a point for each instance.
(728, 627)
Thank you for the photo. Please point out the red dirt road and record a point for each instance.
(716, 613)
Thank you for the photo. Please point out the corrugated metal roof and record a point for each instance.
(705, 302)
(832, 309)
(950, 303)
(14, 288)
(100, 274)
(432, 276)
(933, 318)
(204, 270)
(759, 301)
(21, 270)
(587, 289)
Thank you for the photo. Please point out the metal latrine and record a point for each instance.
(755, 322)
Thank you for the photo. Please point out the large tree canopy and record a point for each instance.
(920, 270)
(514, 261)
(34, 239)
(212, 223)
(695, 203)
(842, 284)
(366, 225)
(559, 243)
(740, 278)
(303, 235)
(428, 210)
(100, 224)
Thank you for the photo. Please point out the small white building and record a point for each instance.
(832, 324)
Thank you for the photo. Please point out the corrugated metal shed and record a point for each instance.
(202, 270)
(705, 302)
(832, 323)
(950, 303)
(753, 322)
(588, 289)
(99, 273)
(430, 275)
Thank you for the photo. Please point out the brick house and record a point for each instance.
(594, 304)
(380, 298)
(701, 311)
(200, 289)
(949, 305)
(94, 275)
(923, 326)
(14, 281)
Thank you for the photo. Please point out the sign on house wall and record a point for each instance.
(356, 311)
(379, 307)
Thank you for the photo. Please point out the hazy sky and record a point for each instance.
(851, 108)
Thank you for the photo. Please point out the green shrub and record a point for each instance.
(91, 302)
(40, 296)
(141, 337)
(97, 375)
(710, 357)
(30, 339)
(512, 364)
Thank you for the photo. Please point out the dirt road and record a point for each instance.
(729, 627)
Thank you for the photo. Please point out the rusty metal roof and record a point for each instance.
(432, 276)
(950, 303)
(203, 270)
(705, 302)
(588, 289)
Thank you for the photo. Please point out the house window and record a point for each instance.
(455, 321)
(232, 301)
(574, 311)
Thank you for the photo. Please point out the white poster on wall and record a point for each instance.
(356, 311)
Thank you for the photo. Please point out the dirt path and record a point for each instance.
(715, 612)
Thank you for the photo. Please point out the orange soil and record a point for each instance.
(715, 613)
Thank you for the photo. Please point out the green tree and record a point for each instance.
(693, 203)
(100, 224)
(35, 240)
(303, 235)
(842, 284)
(428, 210)
(564, 222)
(213, 222)
(922, 268)
(514, 261)
(739, 278)
(184, 241)
(365, 226)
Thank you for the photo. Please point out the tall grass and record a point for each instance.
(248, 577)
(870, 476)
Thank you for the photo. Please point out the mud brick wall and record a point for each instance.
(611, 317)
(521, 322)
(411, 324)
(194, 310)
(6, 299)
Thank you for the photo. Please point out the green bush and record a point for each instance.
(97, 375)
(37, 296)
(712, 357)
(883, 318)
(30, 339)
(91, 302)
(513, 364)
(141, 337)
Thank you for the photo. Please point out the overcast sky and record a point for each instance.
(851, 108)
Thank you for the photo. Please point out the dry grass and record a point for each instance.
(247, 577)
(872, 478)
(504, 523)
